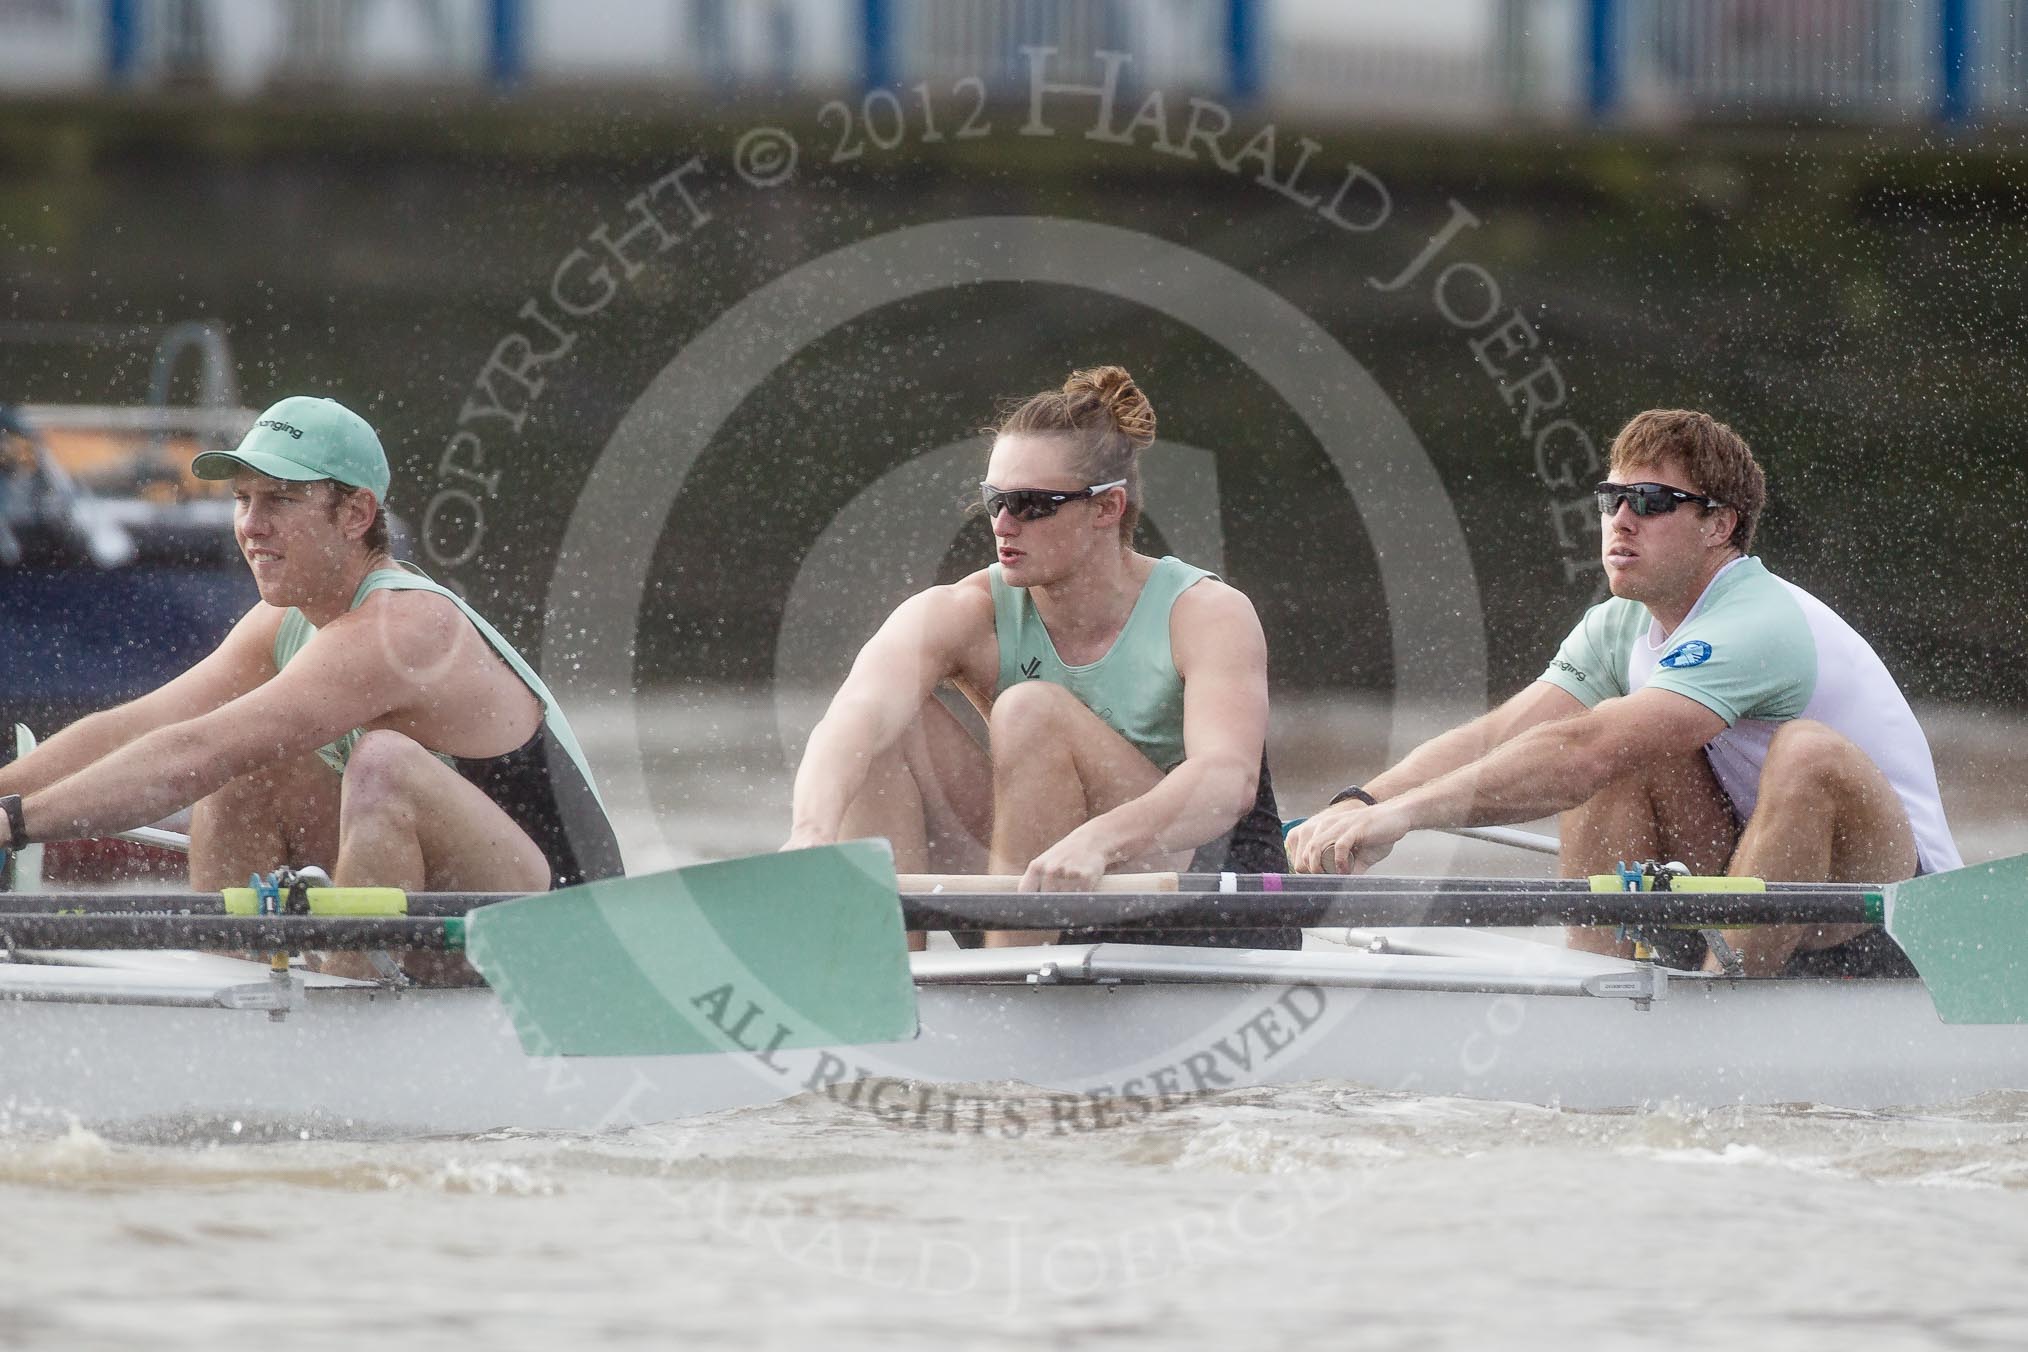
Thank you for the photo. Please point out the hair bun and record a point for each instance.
(1116, 392)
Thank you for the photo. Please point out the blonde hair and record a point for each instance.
(1106, 418)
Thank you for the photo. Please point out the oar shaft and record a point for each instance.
(421, 905)
(928, 882)
(110, 921)
(290, 933)
(1252, 893)
(1147, 912)
(1193, 911)
(1332, 883)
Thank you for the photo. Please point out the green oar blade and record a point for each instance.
(1966, 931)
(803, 949)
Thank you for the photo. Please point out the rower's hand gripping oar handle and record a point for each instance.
(24, 742)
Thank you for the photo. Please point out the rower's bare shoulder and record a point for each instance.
(1216, 623)
(248, 648)
(411, 624)
(255, 631)
(410, 605)
(1210, 601)
(952, 611)
(950, 624)
(970, 596)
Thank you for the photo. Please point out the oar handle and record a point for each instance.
(156, 836)
(1507, 835)
(1008, 882)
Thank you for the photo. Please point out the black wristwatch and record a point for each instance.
(17, 825)
(1353, 791)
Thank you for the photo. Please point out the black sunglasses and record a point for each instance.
(1646, 499)
(1032, 504)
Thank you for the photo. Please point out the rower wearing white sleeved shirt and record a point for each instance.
(1759, 651)
(1709, 713)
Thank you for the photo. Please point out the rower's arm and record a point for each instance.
(1221, 654)
(1550, 767)
(1561, 764)
(355, 670)
(1324, 830)
(900, 667)
(237, 665)
(1538, 703)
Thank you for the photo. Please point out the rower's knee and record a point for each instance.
(382, 772)
(1031, 710)
(1810, 760)
(1030, 730)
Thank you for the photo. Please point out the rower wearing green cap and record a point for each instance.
(360, 718)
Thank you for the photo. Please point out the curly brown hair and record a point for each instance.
(1107, 419)
(1717, 459)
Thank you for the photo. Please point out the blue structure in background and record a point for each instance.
(1242, 48)
(1955, 105)
(1602, 57)
(875, 31)
(506, 54)
(123, 39)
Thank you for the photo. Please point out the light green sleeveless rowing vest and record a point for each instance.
(296, 631)
(1134, 688)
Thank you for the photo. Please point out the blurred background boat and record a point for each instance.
(119, 566)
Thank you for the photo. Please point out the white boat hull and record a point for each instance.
(362, 1061)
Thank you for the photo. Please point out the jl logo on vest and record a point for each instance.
(1688, 654)
(1031, 668)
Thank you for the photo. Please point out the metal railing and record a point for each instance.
(1861, 59)
(1455, 60)
(1999, 57)
(1173, 43)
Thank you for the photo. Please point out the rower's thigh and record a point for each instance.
(930, 795)
(285, 812)
(953, 774)
(1044, 723)
(1816, 776)
(468, 843)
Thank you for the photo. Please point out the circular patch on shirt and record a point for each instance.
(1688, 654)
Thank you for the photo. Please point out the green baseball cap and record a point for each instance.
(304, 437)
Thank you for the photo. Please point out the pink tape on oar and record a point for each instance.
(1270, 882)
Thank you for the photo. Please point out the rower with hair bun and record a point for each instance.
(1125, 697)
